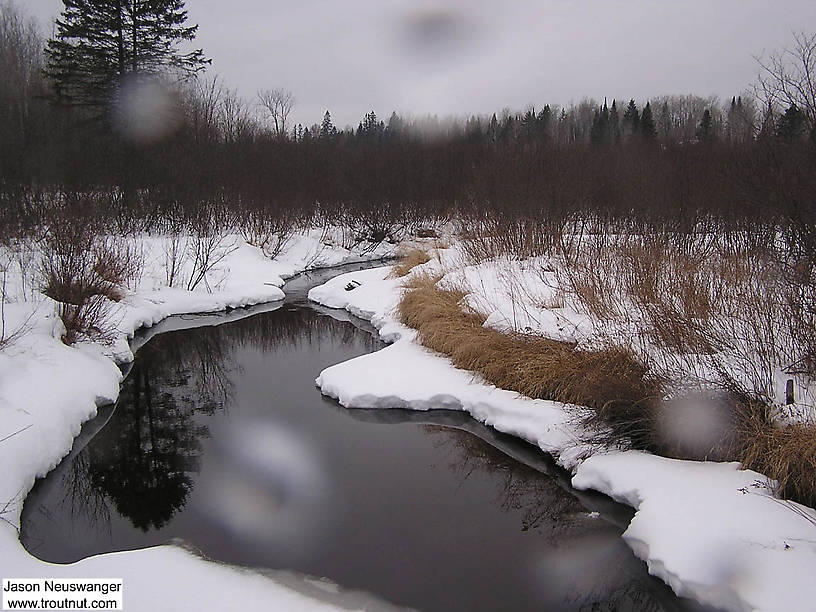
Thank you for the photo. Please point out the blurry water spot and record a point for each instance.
(145, 110)
(586, 569)
(266, 486)
(437, 35)
(696, 426)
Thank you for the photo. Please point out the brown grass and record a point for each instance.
(408, 261)
(786, 453)
(624, 396)
(620, 390)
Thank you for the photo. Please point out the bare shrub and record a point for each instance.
(84, 273)
(8, 337)
(517, 236)
(209, 246)
(269, 232)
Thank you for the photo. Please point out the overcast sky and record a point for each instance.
(463, 57)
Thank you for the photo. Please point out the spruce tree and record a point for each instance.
(97, 43)
(647, 125)
(327, 129)
(792, 124)
(631, 118)
(705, 131)
(614, 122)
(543, 122)
(493, 129)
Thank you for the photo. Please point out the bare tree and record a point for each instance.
(202, 100)
(21, 79)
(235, 117)
(278, 103)
(788, 77)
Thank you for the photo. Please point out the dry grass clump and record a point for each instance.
(786, 453)
(408, 261)
(618, 388)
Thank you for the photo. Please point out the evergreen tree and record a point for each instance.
(647, 125)
(507, 131)
(600, 132)
(395, 127)
(528, 124)
(705, 131)
(493, 129)
(97, 43)
(631, 118)
(792, 124)
(473, 129)
(327, 129)
(614, 122)
(544, 122)
(731, 120)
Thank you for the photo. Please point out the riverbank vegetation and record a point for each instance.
(681, 227)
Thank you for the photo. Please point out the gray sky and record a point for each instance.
(464, 57)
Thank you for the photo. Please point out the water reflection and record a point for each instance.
(144, 462)
(586, 574)
(540, 501)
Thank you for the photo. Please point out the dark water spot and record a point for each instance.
(221, 439)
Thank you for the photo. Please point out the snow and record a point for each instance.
(47, 390)
(712, 531)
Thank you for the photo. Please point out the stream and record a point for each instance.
(221, 440)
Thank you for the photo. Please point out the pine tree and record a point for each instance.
(705, 131)
(97, 43)
(544, 122)
(327, 130)
(600, 132)
(647, 125)
(493, 129)
(792, 124)
(614, 122)
(631, 118)
(731, 120)
(395, 127)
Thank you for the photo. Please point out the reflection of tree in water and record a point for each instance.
(142, 460)
(544, 505)
(295, 328)
(582, 555)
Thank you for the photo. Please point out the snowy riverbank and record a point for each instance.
(711, 531)
(48, 389)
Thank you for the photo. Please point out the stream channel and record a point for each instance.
(221, 440)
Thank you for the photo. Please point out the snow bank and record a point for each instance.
(47, 390)
(711, 531)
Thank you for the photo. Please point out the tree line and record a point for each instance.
(674, 160)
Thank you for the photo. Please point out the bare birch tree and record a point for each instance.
(278, 103)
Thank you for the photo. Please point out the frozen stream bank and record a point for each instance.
(221, 439)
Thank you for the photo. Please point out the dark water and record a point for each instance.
(221, 439)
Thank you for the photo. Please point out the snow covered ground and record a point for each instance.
(47, 390)
(711, 531)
